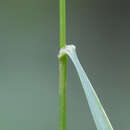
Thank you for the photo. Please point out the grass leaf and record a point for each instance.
(101, 120)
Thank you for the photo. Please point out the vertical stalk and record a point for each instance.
(62, 68)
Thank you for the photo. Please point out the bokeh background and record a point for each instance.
(29, 45)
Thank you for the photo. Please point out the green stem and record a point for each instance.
(62, 23)
(62, 93)
(62, 68)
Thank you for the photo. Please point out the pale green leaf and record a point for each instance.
(101, 120)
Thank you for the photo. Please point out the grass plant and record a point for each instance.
(101, 120)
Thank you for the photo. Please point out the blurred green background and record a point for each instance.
(29, 45)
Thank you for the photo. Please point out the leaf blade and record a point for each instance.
(101, 120)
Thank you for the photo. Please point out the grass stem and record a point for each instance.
(62, 68)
